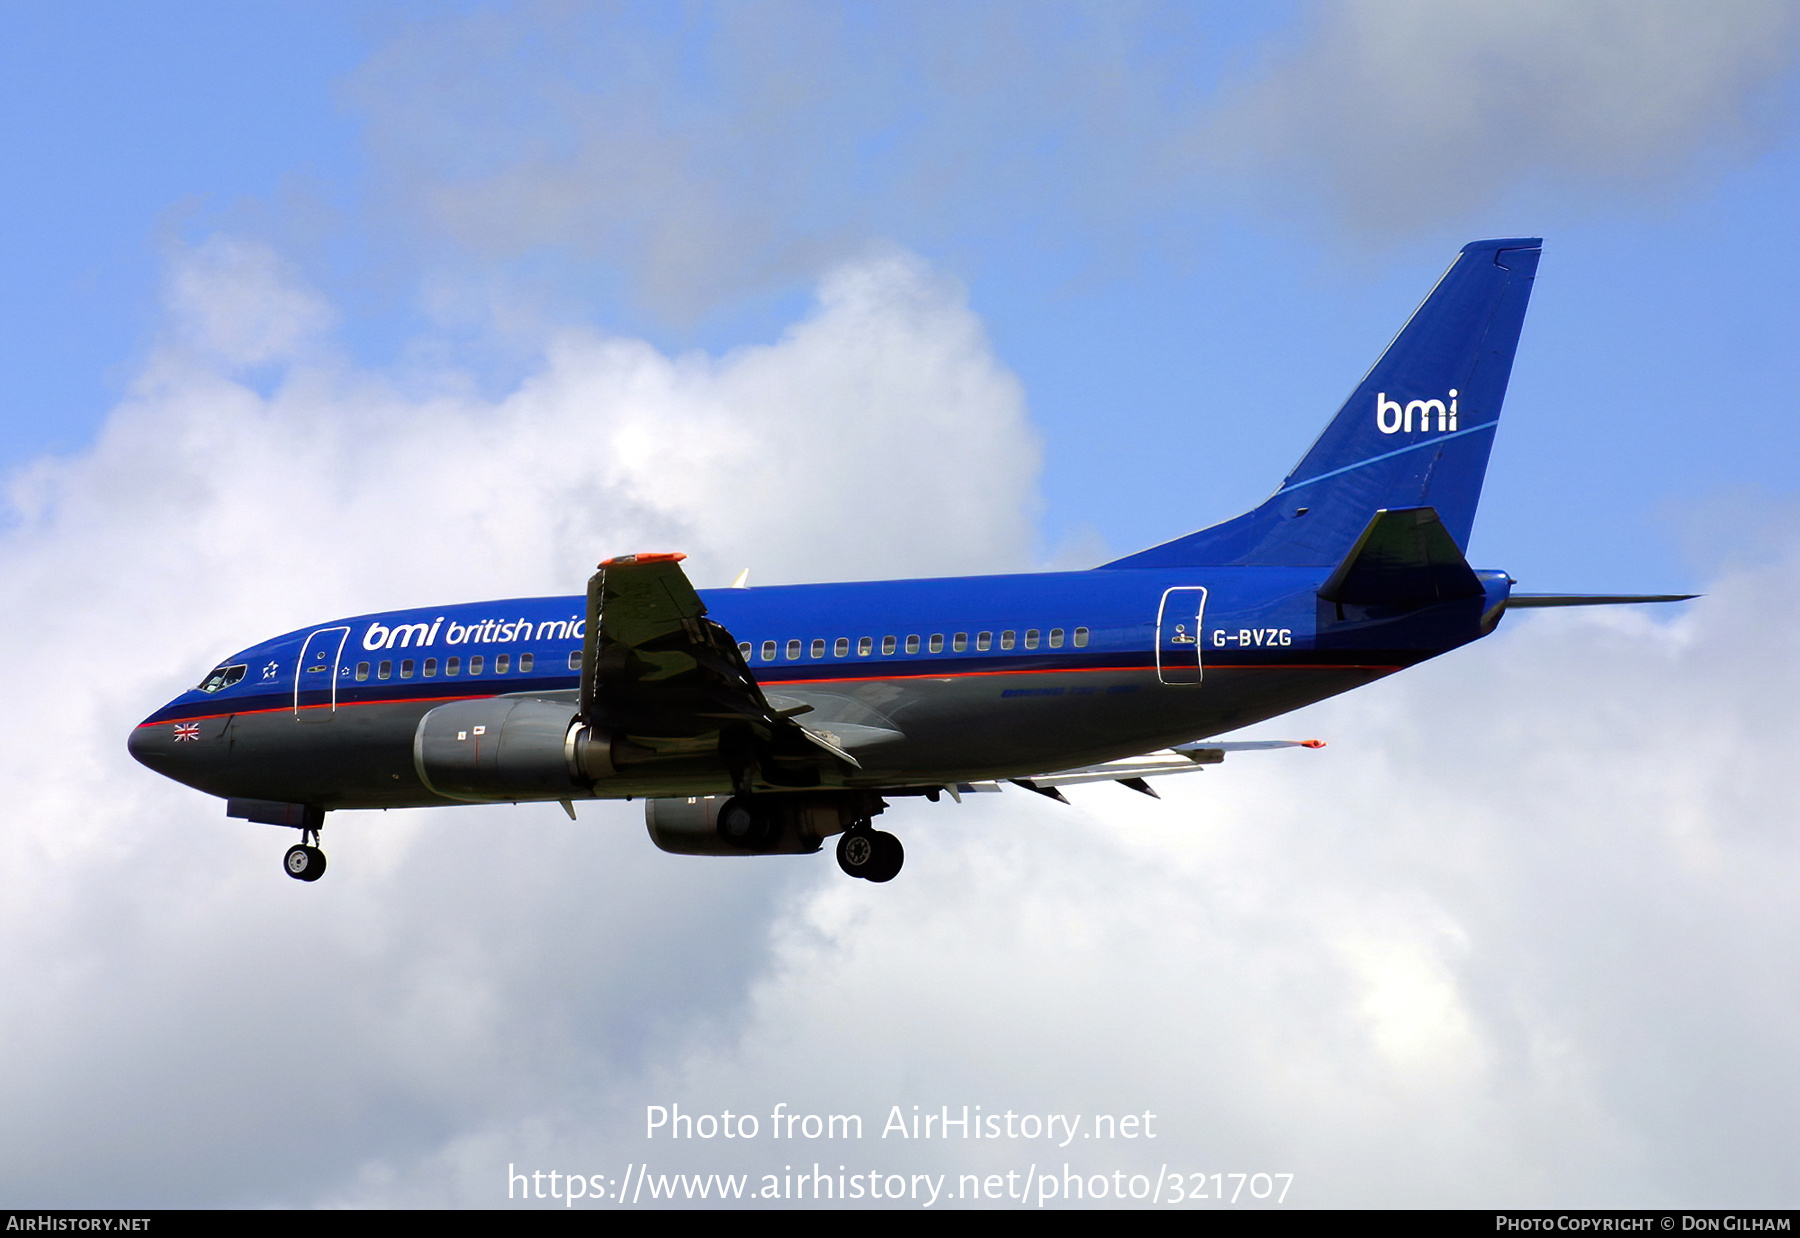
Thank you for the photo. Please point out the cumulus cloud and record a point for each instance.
(1408, 114)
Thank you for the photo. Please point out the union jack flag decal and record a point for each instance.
(187, 730)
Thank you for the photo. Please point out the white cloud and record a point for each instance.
(239, 305)
(1410, 113)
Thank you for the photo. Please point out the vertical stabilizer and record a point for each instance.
(1416, 432)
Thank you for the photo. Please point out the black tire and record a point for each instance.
(304, 863)
(743, 823)
(889, 857)
(857, 851)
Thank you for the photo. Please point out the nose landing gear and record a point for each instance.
(305, 862)
(873, 855)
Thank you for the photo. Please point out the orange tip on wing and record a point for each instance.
(674, 556)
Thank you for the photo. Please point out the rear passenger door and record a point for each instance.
(1178, 627)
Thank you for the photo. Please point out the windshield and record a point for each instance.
(222, 677)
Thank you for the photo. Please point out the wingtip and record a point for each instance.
(1312, 743)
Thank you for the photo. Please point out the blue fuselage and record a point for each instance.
(927, 682)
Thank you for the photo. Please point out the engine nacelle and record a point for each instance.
(754, 824)
(507, 748)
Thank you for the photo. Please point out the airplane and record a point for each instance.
(757, 721)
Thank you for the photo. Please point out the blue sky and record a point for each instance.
(319, 309)
(1180, 338)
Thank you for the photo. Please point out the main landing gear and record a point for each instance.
(305, 862)
(873, 855)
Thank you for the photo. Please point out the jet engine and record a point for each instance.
(506, 748)
(754, 824)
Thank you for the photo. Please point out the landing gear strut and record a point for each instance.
(873, 855)
(305, 862)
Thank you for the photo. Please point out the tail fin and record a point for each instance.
(1416, 432)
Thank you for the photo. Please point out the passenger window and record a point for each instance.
(385, 670)
(960, 642)
(502, 663)
(1031, 638)
(841, 649)
(453, 666)
(912, 644)
(887, 645)
(793, 651)
(525, 662)
(937, 642)
(768, 651)
(431, 668)
(1056, 635)
(1007, 639)
(818, 647)
(406, 669)
(574, 661)
(745, 650)
(362, 671)
(475, 664)
(865, 646)
(1081, 635)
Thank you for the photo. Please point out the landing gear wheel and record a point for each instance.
(856, 850)
(889, 856)
(873, 855)
(304, 863)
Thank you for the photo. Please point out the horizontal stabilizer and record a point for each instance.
(1529, 600)
(1404, 558)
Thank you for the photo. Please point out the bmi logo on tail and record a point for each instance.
(1391, 418)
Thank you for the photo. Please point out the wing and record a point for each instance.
(658, 674)
(1131, 772)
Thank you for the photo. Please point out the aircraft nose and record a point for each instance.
(151, 744)
(171, 747)
(142, 744)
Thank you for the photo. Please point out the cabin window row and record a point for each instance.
(503, 665)
(958, 642)
(772, 651)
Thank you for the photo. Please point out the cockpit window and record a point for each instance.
(222, 678)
